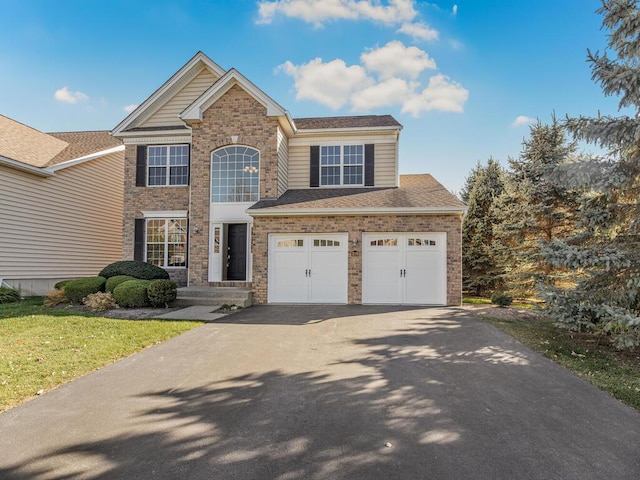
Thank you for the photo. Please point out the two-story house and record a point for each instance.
(224, 188)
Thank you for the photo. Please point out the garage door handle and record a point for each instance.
(403, 273)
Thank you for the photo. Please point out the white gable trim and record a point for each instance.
(86, 158)
(179, 79)
(195, 111)
(25, 167)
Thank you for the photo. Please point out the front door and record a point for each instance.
(237, 251)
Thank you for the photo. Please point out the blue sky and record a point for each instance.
(465, 78)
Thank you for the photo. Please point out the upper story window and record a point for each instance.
(235, 175)
(341, 165)
(167, 165)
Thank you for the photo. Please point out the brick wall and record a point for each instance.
(355, 226)
(235, 113)
(137, 199)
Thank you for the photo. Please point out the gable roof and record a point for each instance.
(416, 194)
(33, 151)
(27, 145)
(361, 121)
(163, 94)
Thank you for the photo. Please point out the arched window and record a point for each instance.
(235, 174)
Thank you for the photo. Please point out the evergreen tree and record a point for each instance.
(534, 209)
(604, 254)
(480, 272)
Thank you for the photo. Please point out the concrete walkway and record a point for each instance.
(350, 392)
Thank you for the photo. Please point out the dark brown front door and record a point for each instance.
(237, 251)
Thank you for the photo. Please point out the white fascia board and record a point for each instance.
(156, 133)
(298, 212)
(194, 111)
(198, 57)
(25, 167)
(164, 213)
(324, 131)
(86, 158)
(156, 139)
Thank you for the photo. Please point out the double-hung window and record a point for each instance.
(168, 165)
(166, 242)
(341, 165)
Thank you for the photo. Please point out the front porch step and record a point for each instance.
(188, 296)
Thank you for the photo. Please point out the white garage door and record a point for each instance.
(308, 268)
(408, 268)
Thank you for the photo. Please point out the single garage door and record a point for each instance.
(308, 268)
(409, 268)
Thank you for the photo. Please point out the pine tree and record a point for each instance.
(534, 210)
(605, 254)
(479, 266)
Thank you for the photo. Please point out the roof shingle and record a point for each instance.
(81, 144)
(362, 121)
(415, 192)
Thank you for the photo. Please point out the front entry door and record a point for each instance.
(237, 251)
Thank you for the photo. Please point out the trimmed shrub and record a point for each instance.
(76, 290)
(60, 285)
(99, 302)
(54, 297)
(9, 295)
(162, 292)
(113, 282)
(132, 294)
(501, 299)
(139, 270)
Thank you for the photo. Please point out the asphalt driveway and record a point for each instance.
(349, 392)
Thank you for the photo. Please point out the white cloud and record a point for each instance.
(384, 94)
(419, 31)
(454, 10)
(388, 76)
(130, 108)
(64, 95)
(522, 120)
(441, 94)
(319, 11)
(394, 59)
(330, 84)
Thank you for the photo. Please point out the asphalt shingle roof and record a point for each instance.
(415, 191)
(363, 121)
(81, 144)
(27, 145)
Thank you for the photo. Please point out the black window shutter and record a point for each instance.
(189, 165)
(186, 247)
(141, 166)
(314, 172)
(369, 165)
(138, 240)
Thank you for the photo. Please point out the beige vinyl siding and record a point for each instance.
(386, 173)
(63, 226)
(283, 162)
(167, 115)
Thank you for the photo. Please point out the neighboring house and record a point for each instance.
(224, 188)
(61, 202)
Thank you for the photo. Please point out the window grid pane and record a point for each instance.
(173, 159)
(167, 242)
(235, 175)
(341, 165)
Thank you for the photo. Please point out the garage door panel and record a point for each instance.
(314, 269)
(404, 268)
(382, 276)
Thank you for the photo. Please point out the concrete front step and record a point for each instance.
(188, 296)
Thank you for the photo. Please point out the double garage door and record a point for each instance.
(397, 268)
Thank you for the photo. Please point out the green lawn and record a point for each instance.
(586, 355)
(42, 348)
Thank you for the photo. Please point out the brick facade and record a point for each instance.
(355, 226)
(236, 113)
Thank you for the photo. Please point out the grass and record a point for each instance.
(586, 355)
(42, 348)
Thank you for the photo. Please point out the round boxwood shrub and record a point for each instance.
(76, 290)
(162, 292)
(113, 282)
(501, 299)
(60, 285)
(132, 294)
(135, 269)
(9, 295)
